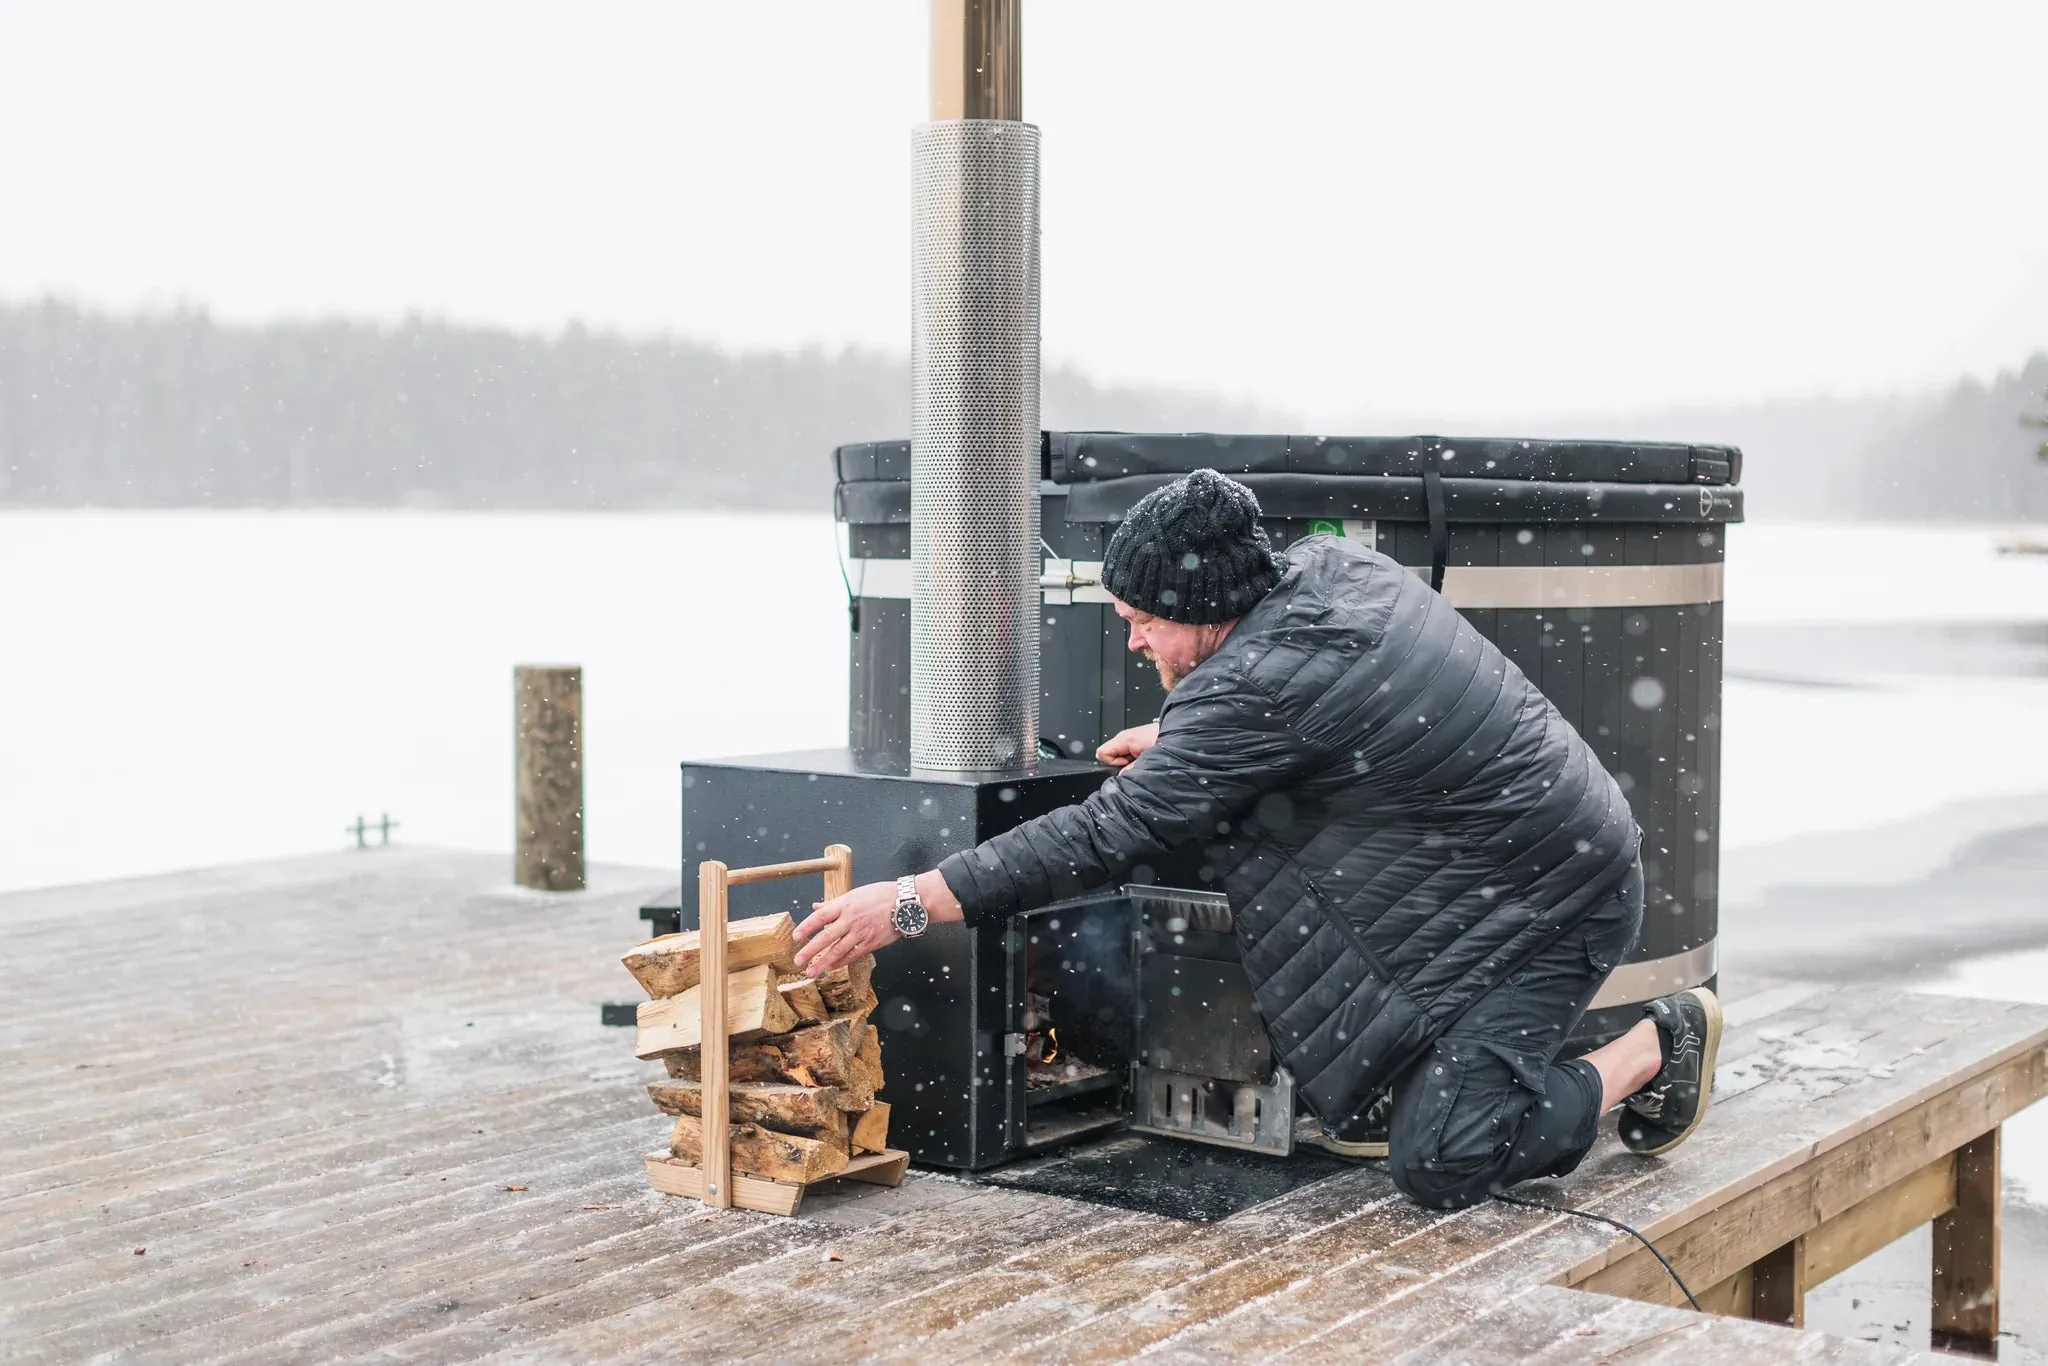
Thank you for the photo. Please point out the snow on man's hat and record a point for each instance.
(1193, 552)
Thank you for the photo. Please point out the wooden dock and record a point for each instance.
(361, 1106)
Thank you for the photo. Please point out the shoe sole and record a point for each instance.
(1709, 1059)
(1339, 1148)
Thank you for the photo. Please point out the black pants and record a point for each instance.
(1490, 1105)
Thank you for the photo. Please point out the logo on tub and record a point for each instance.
(1365, 533)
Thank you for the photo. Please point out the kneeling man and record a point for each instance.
(1431, 874)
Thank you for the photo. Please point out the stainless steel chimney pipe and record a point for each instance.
(974, 434)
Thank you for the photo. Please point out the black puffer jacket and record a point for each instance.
(1398, 816)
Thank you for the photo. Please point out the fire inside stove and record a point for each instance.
(1049, 1070)
(1079, 1027)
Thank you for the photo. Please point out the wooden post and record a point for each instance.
(1966, 1255)
(548, 749)
(714, 1057)
(1777, 1285)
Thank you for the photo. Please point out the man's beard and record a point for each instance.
(1167, 677)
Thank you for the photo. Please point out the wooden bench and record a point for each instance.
(1866, 1121)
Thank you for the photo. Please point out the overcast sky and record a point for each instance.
(1341, 209)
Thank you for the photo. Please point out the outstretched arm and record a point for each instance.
(1214, 755)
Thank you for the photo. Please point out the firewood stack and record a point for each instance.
(804, 1064)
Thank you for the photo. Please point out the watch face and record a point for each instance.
(911, 918)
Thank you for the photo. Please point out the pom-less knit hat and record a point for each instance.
(1193, 552)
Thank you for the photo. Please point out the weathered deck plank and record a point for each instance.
(306, 1097)
(1549, 1327)
(1354, 1290)
(406, 1231)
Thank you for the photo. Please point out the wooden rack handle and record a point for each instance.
(768, 872)
(713, 1051)
(836, 865)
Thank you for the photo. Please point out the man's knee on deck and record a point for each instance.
(1443, 1140)
(1436, 1188)
(1475, 1117)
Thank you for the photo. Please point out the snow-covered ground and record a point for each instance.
(1870, 572)
(1828, 726)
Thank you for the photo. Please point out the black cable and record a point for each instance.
(1611, 1223)
(852, 599)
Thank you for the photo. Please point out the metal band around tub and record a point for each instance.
(1634, 983)
(1478, 587)
(1580, 585)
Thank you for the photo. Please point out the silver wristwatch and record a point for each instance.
(910, 917)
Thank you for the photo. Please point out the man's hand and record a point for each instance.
(1123, 748)
(842, 929)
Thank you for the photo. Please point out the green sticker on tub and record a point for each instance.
(1322, 528)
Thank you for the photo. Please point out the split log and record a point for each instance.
(835, 1051)
(805, 999)
(823, 1055)
(810, 1111)
(763, 1152)
(753, 1007)
(869, 1055)
(860, 1003)
(871, 1128)
(747, 1064)
(848, 989)
(669, 965)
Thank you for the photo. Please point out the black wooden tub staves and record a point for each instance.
(1595, 566)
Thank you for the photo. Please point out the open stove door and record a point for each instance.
(1205, 1068)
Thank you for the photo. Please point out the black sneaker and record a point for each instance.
(1663, 1114)
(1361, 1138)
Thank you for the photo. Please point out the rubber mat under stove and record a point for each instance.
(1166, 1176)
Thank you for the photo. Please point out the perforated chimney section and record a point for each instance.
(974, 596)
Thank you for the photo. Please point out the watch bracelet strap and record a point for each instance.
(906, 898)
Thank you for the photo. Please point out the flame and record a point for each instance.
(1052, 1045)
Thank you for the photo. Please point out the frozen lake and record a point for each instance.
(185, 688)
(194, 688)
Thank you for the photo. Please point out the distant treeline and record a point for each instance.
(1970, 454)
(176, 410)
(1961, 454)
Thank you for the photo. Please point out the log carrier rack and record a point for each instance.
(715, 1183)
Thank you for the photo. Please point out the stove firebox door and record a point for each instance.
(1198, 1019)
(1205, 1066)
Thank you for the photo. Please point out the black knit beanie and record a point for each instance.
(1193, 552)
